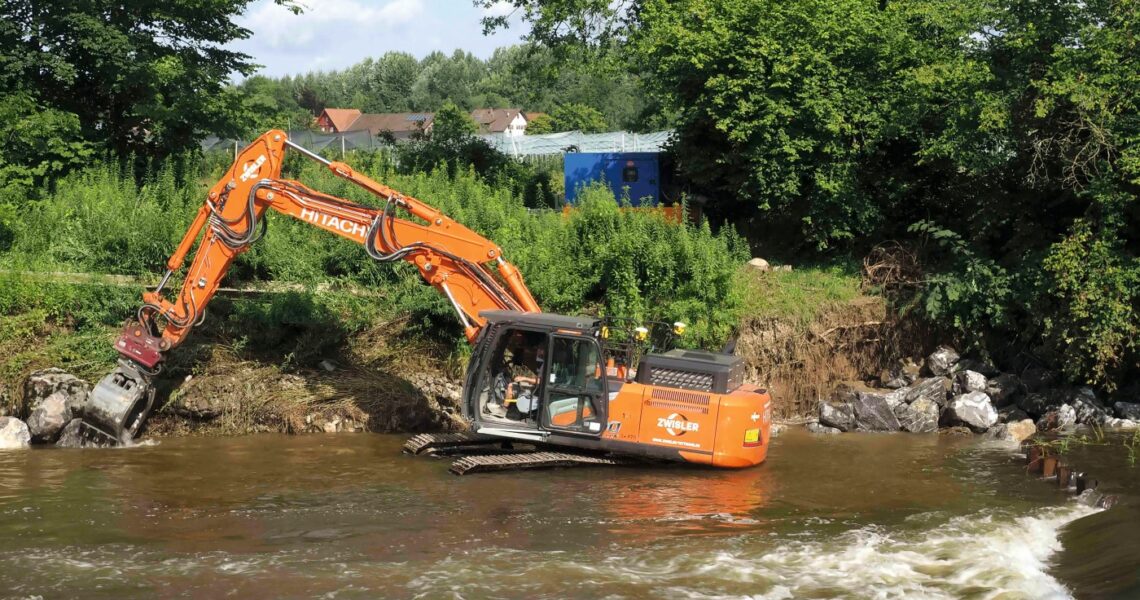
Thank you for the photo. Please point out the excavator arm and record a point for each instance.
(468, 269)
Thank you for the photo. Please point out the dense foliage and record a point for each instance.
(998, 139)
(599, 259)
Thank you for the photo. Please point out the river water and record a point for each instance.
(348, 516)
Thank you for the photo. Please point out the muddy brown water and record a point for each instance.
(348, 516)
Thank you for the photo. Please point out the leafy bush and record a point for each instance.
(600, 259)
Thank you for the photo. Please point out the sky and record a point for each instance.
(335, 34)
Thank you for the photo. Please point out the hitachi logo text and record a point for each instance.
(331, 222)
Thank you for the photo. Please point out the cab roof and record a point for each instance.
(548, 320)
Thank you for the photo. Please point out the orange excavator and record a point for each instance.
(572, 389)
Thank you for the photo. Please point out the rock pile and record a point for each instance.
(946, 390)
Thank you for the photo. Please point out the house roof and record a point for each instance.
(495, 120)
(397, 123)
(342, 118)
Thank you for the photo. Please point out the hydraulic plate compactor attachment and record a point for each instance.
(118, 406)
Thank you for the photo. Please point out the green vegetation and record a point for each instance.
(600, 259)
(997, 140)
(800, 296)
(995, 143)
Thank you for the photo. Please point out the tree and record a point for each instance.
(998, 139)
(445, 78)
(540, 124)
(39, 144)
(452, 124)
(578, 117)
(149, 77)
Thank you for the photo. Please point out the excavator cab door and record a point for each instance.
(574, 394)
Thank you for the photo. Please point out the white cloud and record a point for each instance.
(277, 27)
(334, 34)
(501, 8)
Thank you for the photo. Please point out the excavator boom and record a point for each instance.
(468, 269)
(549, 381)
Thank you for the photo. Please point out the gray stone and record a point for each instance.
(973, 409)
(920, 416)
(48, 416)
(901, 373)
(1122, 424)
(200, 406)
(759, 264)
(71, 436)
(1003, 389)
(968, 381)
(1088, 408)
(1011, 414)
(941, 362)
(818, 428)
(1013, 432)
(1037, 405)
(41, 384)
(838, 415)
(14, 434)
(984, 367)
(1063, 417)
(934, 389)
(873, 412)
(1127, 410)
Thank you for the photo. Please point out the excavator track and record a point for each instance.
(445, 443)
(529, 460)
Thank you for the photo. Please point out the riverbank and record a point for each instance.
(249, 369)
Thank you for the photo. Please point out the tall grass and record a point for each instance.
(600, 259)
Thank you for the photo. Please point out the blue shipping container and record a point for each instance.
(639, 172)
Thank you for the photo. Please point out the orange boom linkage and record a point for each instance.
(449, 256)
(579, 385)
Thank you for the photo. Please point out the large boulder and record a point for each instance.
(1003, 389)
(968, 381)
(1011, 414)
(1037, 405)
(202, 407)
(1063, 417)
(873, 412)
(941, 362)
(920, 416)
(48, 417)
(839, 415)
(1015, 431)
(901, 373)
(759, 264)
(13, 434)
(1087, 407)
(1127, 410)
(973, 409)
(934, 389)
(41, 384)
(72, 436)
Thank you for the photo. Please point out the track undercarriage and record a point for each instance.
(478, 453)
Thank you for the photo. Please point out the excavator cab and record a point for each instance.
(534, 373)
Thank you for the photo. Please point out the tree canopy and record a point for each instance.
(997, 139)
